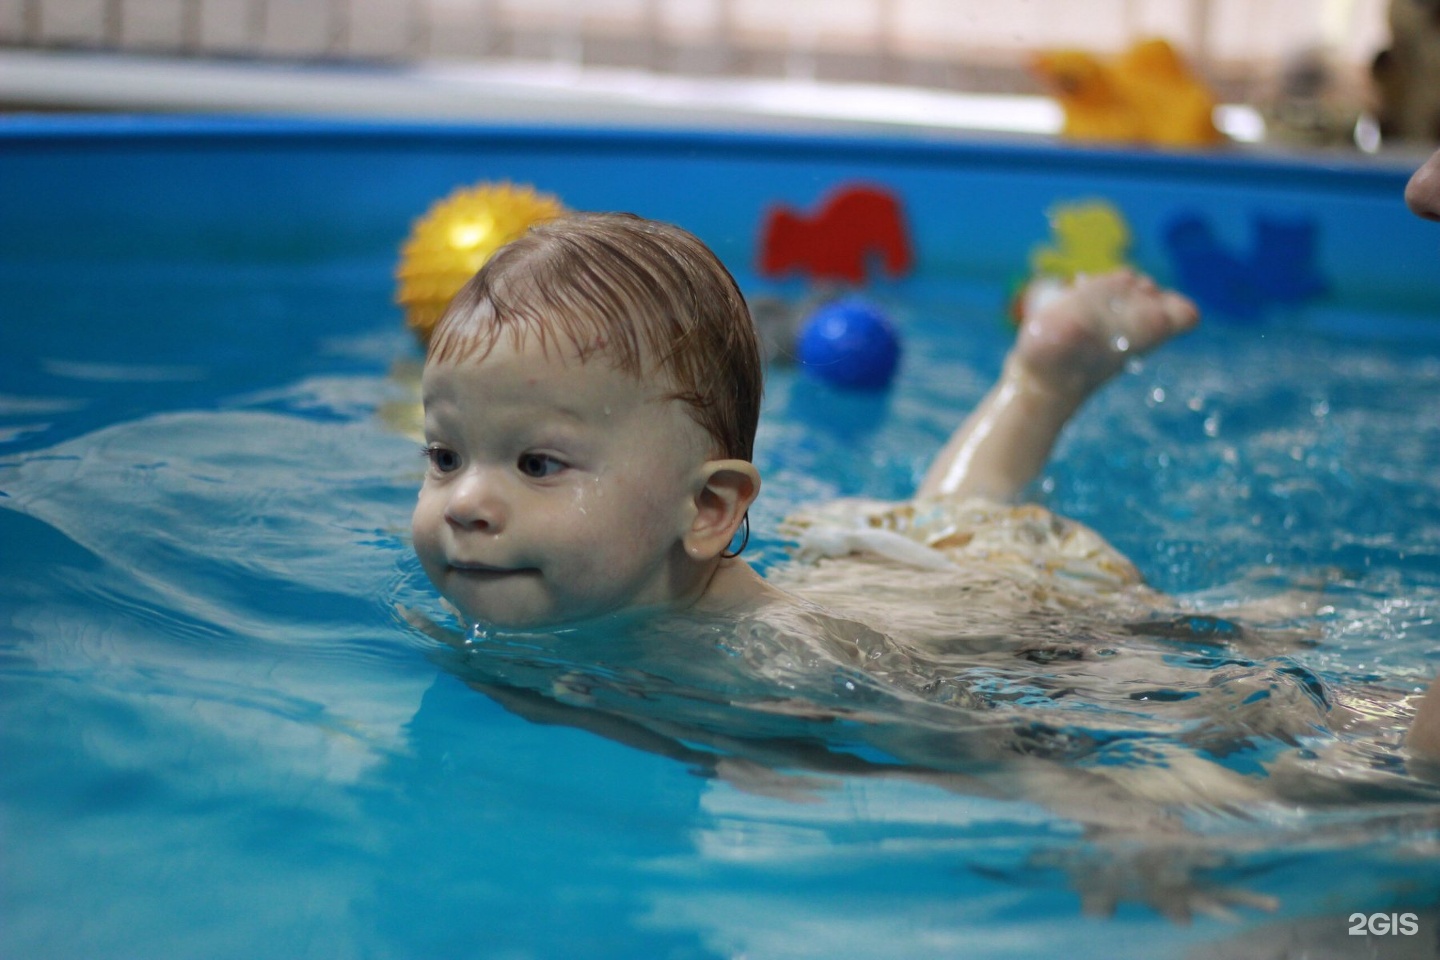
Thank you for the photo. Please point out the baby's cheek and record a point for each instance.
(619, 543)
(650, 524)
(424, 536)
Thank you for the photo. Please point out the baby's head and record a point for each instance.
(591, 398)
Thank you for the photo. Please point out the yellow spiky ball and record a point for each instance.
(454, 239)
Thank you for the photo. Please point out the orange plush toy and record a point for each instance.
(1145, 95)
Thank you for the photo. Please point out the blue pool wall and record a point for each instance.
(114, 188)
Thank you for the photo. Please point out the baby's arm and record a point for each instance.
(1066, 350)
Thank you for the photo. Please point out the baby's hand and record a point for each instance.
(1082, 336)
(422, 622)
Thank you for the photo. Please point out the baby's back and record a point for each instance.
(1023, 615)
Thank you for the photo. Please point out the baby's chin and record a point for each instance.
(511, 622)
(517, 617)
(547, 621)
(499, 600)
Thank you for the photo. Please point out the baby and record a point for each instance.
(591, 400)
(590, 405)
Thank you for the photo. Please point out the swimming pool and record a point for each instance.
(221, 738)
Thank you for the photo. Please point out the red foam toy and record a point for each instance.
(853, 226)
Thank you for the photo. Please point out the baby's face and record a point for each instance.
(556, 490)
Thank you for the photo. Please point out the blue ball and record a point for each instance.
(849, 343)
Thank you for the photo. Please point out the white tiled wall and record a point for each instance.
(384, 28)
(151, 24)
(452, 28)
(1217, 30)
(227, 26)
(79, 22)
(301, 29)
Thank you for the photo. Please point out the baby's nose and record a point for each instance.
(476, 503)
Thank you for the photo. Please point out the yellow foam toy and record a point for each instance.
(1145, 95)
(454, 239)
(1089, 237)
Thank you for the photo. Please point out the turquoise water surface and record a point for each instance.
(221, 736)
(221, 739)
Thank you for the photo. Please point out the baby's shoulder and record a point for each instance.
(783, 633)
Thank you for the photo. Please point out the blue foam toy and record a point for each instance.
(1279, 270)
(849, 343)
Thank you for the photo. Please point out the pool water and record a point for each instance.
(222, 738)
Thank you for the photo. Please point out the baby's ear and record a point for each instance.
(725, 490)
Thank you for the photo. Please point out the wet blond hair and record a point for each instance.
(648, 297)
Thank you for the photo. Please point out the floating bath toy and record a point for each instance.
(854, 227)
(1087, 237)
(849, 343)
(1145, 95)
(454, 239)
(1278, 270)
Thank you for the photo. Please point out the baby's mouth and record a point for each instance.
(483, 571)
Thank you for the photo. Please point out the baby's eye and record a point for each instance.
(538, 465)
(442, 459)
